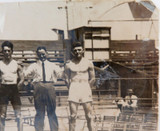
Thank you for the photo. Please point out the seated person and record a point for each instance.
(119, 102)
(130, 101)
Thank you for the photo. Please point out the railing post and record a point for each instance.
(119, 88)
(153, 102)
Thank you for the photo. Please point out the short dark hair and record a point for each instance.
(77, 44)
(41, 48)
(8, 44)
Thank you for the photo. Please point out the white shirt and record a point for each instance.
(52, 71)
(79, 71)
(9, 72)
(134, 101)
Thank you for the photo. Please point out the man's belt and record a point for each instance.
(43, 82)
(79, 80)
(46, 81)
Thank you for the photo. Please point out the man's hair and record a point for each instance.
(8, 44)
(41, 48)
(77, 44)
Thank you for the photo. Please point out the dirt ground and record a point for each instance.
(62, 114)
(99, 111)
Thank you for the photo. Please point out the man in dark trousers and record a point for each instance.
(45, 74)
(10, 71)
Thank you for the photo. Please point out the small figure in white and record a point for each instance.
(130, 101)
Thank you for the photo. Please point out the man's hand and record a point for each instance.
(20, 85)
(92, 83)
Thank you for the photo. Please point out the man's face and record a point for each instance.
(42, 54)
(130, 93)
(7, 52)
(78, 52)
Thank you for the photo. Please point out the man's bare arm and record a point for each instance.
(91, 72)
(67, 76)
(21, 77)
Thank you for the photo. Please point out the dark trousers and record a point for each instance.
(9, 93)
(45, 99)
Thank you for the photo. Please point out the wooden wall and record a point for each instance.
(31, 45)
(137, 54)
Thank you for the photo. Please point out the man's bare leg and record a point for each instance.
(88, 113)
(17, 111)
(3, 109)
(73, 115)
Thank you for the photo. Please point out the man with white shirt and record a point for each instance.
(80, 77)
(45, 74)
(10, 71)
(130, 101)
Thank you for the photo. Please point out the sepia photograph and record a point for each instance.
(79, 65)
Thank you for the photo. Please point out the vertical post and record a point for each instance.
(99, 97)
(110, 51)
(67, 20)
(84, 43)
(20, 124)
(59, 99)
(152, 84)
(119, 88)
(64, 52)
(23, 56)
(92, 47)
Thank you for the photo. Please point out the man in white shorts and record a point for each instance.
(80, 77)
